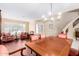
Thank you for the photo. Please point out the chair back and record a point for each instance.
(34, 37)
(42, 36)
(62, 35)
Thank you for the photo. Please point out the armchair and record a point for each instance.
(7, 37)
(24, 35)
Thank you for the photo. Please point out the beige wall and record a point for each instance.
(31, 25)
(77, 26)
(40, 22)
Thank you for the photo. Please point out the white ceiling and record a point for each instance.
(31, 10)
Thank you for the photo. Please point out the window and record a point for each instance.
(50, 26)
(39, 28)
(13, 28)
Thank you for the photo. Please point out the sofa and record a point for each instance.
(5, 37)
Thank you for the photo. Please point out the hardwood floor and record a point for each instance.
(15, 45)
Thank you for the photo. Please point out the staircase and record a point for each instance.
(65, 21)
(73, 22)
(70, 28)
(76, 22)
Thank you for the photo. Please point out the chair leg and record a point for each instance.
(22, 52)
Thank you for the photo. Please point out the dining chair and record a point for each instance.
(61, 35)
(73, 52)
(34, 37)
(29, 51)
(3, 51)
(43, 36)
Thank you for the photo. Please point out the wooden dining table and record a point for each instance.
(50, 46)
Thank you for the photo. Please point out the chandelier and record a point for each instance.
(50, 14)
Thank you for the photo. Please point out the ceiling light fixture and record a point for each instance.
(43, 16)
(45, 19)
(50, 14)
(52, 18)
(59, 15)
